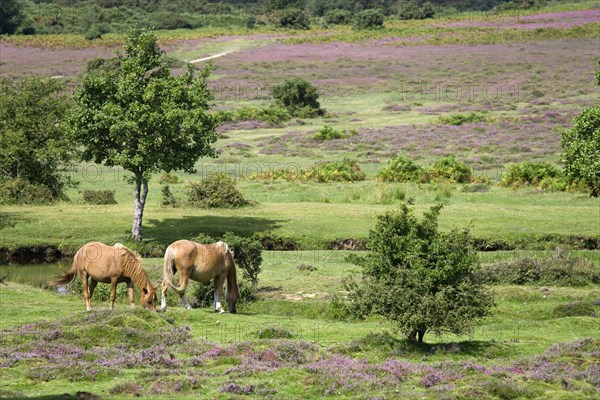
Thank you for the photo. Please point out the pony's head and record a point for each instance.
(149, 299)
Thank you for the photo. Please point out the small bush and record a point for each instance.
(251, 22)
(297, 95)
(102, 64)
(329, 133)
(336, 171)
(170, 179)
(460, 119)
(306, 268)
(294, 18)
(447, 169)
(20, 191)
(99, 196)
(561, 269)
(530, 173)
(269, 241)
(93, 33)
(338, 17)
(214, 191)
(274, 332)
(168, 199)
(414, 10)
(400, 169)
(368, 19)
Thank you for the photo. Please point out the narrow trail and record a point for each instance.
(211, 57)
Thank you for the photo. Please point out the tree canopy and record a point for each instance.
(33, 143)
(142, 118)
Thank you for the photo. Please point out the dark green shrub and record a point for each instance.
(529, 173)
(269, 241)
(580, 149)
(93, 33)
(306, 268)
(296, 94)
(400, 169)
(447, 169)
(415, 10)
(336, 171)
(99, 196)
(168, 199)
(217, 190)
(273, 114)
(368, 19)
(418, 277)
(251, 22)
(460, 119)
(338, 17)
(20, 191)
(247, 255)
(561, 269)
(293, 18)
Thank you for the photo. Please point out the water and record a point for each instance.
(33, 274)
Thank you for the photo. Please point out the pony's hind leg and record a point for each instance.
(219, 280)
(113, 292)
(87, 297)
(183, 282)
(163, 298)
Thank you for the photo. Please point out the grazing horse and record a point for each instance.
(201, 263)
(109, 264)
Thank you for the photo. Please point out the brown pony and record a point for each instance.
(201, 263)
(109, 264)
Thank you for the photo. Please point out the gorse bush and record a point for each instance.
(274, 114)
(329, 171)
(561, 269)
(460, 119)
(529, 173)
(400, 169)
(419, 278)
(99, 196)
(447, 169)
(329, 133)
(368, 19)
(217, 190)
(168, 178)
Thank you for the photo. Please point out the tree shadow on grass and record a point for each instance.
(169, 230)
(9, 219)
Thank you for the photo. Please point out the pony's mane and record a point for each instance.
(132, 265)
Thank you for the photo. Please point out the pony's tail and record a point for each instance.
(66, 278)
(168, 271)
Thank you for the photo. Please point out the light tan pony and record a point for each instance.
(109, 264)
(201, 263)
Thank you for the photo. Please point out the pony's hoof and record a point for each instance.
(221, 311)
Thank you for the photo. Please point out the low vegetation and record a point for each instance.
(217, 190)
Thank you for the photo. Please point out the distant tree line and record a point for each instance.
(97, 17)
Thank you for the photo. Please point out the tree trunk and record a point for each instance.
(140, 192)
(413, 336)
(417, 335)
(421, 334)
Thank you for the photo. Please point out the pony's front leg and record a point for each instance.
(86, 291)
(131, 294)
(163, 299)
(113, 292)
(219, 280)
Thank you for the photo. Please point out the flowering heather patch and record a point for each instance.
(523, 19)
(533, 137)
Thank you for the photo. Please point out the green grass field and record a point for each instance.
(541, 342)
